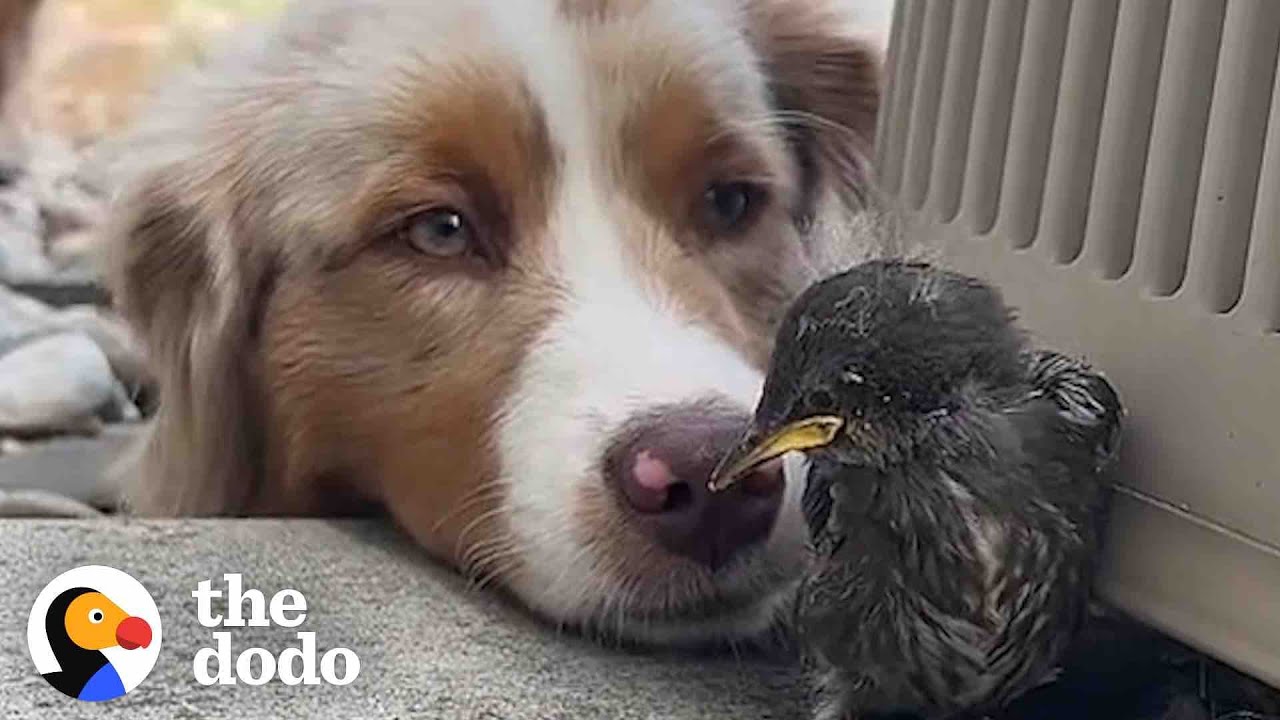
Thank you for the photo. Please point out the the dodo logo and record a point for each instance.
(94, 633)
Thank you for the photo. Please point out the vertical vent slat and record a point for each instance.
(1074, 146)
(993, 107)
(1177, 143)
(1260, 301)
(924, 106)
(896, 126)
(892, 53)
(954, 116)
(1123, 142)
(1034, 105)
(1233, 152)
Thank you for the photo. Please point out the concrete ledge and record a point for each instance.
(429, 646)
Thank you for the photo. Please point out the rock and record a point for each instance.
(78, 251)
(20, 209)
(62, 288)
(21, 317)
(9, 172)
(13, 153)
(50, 210)
(38, 504)
(114, 339)
(56, 383)
(21, 236)
(10, 167)
(66, 206)
(121, 409)
(74, 467)
(50, 157)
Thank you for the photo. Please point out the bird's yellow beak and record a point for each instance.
(812, 432)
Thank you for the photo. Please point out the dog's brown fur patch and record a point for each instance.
(391, 366)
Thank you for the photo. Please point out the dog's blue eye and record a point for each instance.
(731, 205)
(442, 233)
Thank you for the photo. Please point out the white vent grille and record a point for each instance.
(1114, 165)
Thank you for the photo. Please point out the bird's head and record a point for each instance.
(864, 356)
(92, 621)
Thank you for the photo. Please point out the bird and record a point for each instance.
(954, 490)
(80, 623)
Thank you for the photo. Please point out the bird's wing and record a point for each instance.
(1069, 427)
(1087, 404)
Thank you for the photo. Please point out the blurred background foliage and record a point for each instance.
(93, 61)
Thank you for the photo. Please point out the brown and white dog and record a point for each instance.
(508, 269)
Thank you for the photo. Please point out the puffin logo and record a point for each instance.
(94, 633)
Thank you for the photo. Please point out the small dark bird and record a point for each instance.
(953, 498)
(80, 623)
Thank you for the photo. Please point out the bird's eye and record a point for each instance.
(729, 207)
(440, 233)
(95, 616)
(822, 401)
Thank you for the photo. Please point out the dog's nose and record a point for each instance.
(660, 466)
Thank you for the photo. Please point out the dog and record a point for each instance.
(507, 270)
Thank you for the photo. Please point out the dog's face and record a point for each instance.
(509, 270)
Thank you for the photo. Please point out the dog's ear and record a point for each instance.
(178, 277)
(826, 87)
